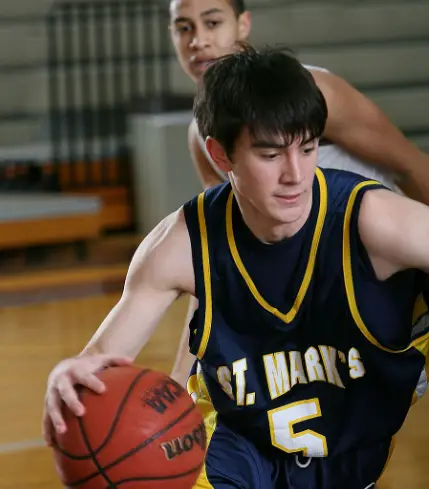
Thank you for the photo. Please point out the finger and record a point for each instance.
(70, 397)
(117, 360)
(53, 419)
(89, 380)
(47, 429)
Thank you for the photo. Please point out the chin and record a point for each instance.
(195, 78)
(287, 215)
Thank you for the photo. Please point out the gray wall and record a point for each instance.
(380, 46)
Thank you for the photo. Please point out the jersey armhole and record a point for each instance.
(421, 309)
(352, 242)
(425, 288)
(200, 323)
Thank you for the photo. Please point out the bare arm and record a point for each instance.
(395, 231)
(160, 271)
(209, 178)
(358, 125)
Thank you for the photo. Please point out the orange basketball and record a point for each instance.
(143, 432)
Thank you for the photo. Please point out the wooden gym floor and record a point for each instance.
(49, 311)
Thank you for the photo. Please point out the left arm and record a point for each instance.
(395, 232)
(359, 126)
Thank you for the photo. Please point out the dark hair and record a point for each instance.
(268, 92)
(238, 6)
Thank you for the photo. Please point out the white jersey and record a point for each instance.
(332, 156)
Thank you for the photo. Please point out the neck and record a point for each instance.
(266, 229)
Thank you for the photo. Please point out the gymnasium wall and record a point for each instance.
(381, 47)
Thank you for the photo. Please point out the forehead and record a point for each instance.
(258, 138)
(196, 8)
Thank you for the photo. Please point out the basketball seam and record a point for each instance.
(139, 447)
(93, 457)
(167, 477)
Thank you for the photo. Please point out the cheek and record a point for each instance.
(225, 39)
(179, 46)
(255, 182)
(310, 166)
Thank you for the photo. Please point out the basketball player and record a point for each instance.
(358, 137)
(306, 280)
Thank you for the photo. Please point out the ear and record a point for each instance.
(218, 155)
(244, 25)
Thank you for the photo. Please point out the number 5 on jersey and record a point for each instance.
(283, 435)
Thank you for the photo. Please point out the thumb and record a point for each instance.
(118, 360)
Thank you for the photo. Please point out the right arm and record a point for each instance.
(160, 271)
(208, 177)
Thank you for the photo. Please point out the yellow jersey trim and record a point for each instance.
(421, 343)
(208, 312)
(197, 389)
(289, 316)
(420, 308)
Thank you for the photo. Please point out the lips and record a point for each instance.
(201, 64)
(288, 199)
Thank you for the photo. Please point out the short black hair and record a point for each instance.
(238, 6)
(268, 92)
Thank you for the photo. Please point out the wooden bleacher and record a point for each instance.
(42, 219)
(31, 213)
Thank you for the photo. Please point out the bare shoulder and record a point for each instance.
(193, 128)
(395, 230)
(164, 257)
(208, 176)
(385, 209)
(336, 90)
(325, 80)
(194, 143)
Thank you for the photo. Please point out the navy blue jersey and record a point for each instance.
(301, 349)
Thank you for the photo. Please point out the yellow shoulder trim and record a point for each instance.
(421, 343)
(208, 312)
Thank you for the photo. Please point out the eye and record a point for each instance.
(212, 24)
(269, 156)
(182, 28)
(308, 151)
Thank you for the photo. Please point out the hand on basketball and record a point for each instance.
(61, 388)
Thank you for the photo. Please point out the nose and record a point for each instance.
(292, 173)
(199, 39)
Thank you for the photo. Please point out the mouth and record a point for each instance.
(288, 199)
(202, 64)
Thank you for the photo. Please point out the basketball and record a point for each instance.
(143, 432)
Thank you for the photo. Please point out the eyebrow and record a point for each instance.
(261, 144)
(268, 145)
(206, 13)
(211, 11)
